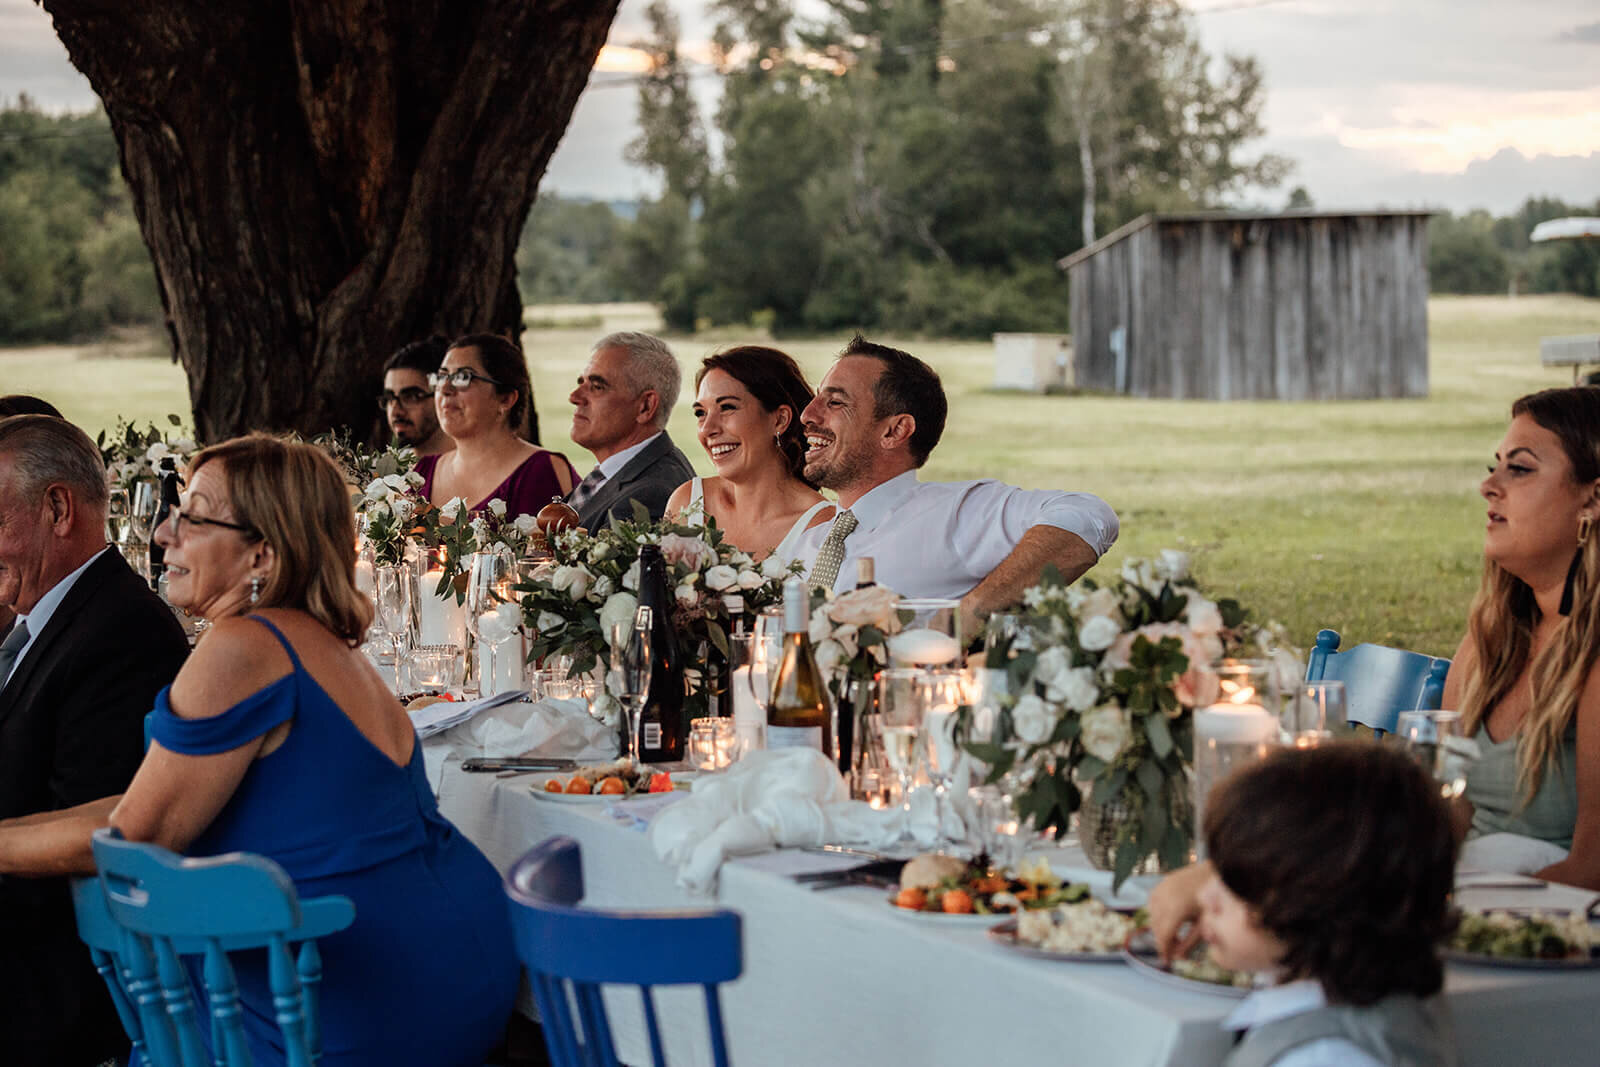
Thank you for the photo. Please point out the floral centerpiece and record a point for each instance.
(850, 633)
(592, 582)
(133, 455)
(1103, 681)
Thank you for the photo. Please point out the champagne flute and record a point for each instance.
(393, 583)
(118, 516)
(145, 502)
(901, 706)
(487, 573)
(631, 669)
(942, 694)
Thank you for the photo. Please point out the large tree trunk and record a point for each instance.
(322, 181)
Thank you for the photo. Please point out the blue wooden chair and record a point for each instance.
(565, 946)
(148, 908)
(1379, 682)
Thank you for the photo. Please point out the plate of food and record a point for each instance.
(1082, 932)
(1195, 972)
(946, 889)
(602, 782)
(1536, 940)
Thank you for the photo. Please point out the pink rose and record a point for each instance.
(872, 606)
(692, 552)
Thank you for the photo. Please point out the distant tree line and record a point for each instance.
(1479, 253)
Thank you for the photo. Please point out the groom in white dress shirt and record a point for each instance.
(877, 415)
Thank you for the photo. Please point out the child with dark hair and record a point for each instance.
(1333, 870)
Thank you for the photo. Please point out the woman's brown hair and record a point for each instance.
(1346, 855)
(1504, 612)
(294, 497)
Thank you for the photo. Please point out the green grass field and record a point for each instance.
(1362, 516)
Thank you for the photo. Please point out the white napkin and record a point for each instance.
(1509, 852)
(557, 728)
(785, 798)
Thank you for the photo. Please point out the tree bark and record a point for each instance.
(322, 181)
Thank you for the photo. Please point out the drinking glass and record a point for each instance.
(902, 703)
(630, 670)
(930, 633)
(712, 743)
(119, 514)
(434, 667)
(496, 629)
(393, 584)
(1000, 832)
(490, 576)
(943, 696)
(1312, 713)
(1435, 740)
(143, 505)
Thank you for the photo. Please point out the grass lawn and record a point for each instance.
(1362, 516)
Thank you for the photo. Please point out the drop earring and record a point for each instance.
(255, 589)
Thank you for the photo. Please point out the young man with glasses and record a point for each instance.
(407, 398)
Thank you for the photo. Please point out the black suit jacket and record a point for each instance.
(72, 730)
(649, 477)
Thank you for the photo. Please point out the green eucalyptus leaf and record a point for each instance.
(1155, 728)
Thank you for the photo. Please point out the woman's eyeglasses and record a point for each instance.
(196, 522)
(408, 396)
(458, 379)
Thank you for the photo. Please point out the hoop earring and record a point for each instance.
(255, 589)
(1585, 524)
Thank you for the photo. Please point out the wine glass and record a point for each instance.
(902, 702)
(143, 505)
(393, 586)
(1434, 740)
(490, 576)
(942, 695)
(118, 515)
(630, 671)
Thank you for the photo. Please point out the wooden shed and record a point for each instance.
(1303, 305)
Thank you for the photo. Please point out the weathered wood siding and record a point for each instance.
(1275, 307)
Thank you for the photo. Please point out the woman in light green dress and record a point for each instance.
(1525, 677)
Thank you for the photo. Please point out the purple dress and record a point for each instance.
(530, 487)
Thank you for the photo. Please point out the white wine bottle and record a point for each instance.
(798, 713)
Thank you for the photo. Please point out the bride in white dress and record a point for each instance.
(747, 415)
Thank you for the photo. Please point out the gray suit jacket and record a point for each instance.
(649, 477)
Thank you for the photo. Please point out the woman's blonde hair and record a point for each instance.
(1504, 612)
(293, 495)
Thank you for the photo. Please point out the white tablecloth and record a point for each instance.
(841, 977)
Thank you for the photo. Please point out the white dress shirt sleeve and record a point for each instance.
(992, 518)
(1327, 1052)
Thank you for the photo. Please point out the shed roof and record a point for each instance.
(1129, 228)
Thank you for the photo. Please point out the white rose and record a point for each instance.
(1098, 633)
(402, 507)
(497, 508)
(183, 445)
(377, 490)
(749, 579)
(601, 551)
(1101, 601)
(1033, 720)
(1052, 667)
(630, 578)
(1172, 565)
(619, 607)
(451, 508)
(549, 622)
(1202, 615)
(773, 567)
(525, 524)
(1142, 573)
(480, 529)
(157, 452)
(396, 482)
(721, 577)
(572, 579)
(1105, 732)
(608, 709)
(829, 655)
(603, 587)
(739, 559)
(820, 625)
(1077, 690)
(686, 593)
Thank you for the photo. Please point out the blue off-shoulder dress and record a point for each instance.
(426, 974)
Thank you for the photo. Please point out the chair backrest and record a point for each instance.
(564, 946)
(148, 908)
(1379, 682)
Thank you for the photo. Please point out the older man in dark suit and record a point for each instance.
(623, 399)
(82, 665)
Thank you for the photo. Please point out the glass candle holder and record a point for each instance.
(713, 743)
(434, 667)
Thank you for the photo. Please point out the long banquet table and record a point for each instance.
(839, 977)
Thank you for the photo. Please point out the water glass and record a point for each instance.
(902, 702)
(1435, 740)
(631, 669)
(433, 667)
(999, 832)
(1312, 714)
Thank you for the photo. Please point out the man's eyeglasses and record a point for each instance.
(458, 379)
(410, 395)
(194, 521)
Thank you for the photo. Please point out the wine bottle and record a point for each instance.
(169, 500)
(662, 729)
(864, 573)
(798, 713)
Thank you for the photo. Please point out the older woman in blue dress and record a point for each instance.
(747, 415)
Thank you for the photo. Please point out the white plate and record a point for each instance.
(1005, 935)
(1140, 952)
(940, 918)
(1519, 963)
(680, 780)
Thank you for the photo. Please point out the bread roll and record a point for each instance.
(929, 869)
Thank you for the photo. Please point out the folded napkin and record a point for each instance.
(777, 798)
(1509, 852)
(437, 718)
(557, 728)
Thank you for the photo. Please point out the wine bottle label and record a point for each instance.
(794, 737)
(652, 735)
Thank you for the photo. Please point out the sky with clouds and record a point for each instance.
(1397, 103)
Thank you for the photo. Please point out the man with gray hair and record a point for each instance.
(623, 400)
(91, 648)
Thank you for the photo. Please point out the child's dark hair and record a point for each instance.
(1347, 856)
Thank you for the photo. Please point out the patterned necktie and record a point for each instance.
(587, 488)
(11, 648)
(826, 568)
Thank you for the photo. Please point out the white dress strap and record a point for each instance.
(786, 547)
(695, 513)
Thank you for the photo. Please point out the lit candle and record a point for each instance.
(749, 716)
(364, 581)
(441, 620)
(923, 647)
